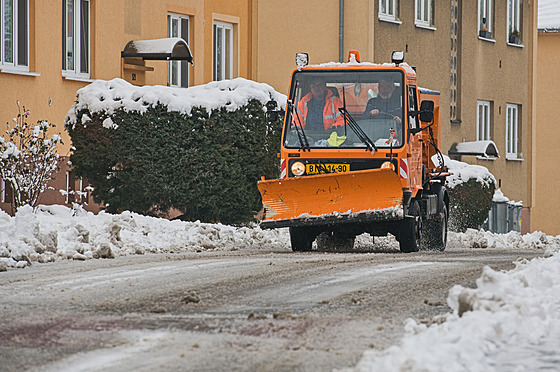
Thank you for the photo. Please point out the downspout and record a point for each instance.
(341, 31)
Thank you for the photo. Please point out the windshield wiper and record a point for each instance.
(302, 137)
(351, 122)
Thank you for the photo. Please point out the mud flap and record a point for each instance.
(369, 194)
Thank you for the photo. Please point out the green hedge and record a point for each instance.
(469, 204)
(205, 164)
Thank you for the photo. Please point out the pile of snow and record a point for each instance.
(108, 96)
(56, 232)
(510, 322)
(512, 240)
(462, 172)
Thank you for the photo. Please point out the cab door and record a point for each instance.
(415, 145)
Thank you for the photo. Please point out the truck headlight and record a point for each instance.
(298, 168)
(388, 165)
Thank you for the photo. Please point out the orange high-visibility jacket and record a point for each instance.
(331, 115)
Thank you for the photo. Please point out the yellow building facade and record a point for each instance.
(547, 171)
(50, 49)
(461, 48)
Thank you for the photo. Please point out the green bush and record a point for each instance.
(205, 164)
(469, 204)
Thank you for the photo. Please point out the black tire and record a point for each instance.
(301, 238)
(328, 241)
(435, 231)
(410, 233)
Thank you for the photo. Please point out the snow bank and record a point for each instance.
(512, 240)
(57, 232)
(510, 322)
(108, 96)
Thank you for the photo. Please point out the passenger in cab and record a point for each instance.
(319, 109)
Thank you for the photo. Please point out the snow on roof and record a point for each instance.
(482, 148)
(549, 15)
(462, 172)
(165, 45)
(353, 63)
(109, 96)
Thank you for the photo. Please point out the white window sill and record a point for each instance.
(513, 157)
(78, 78)
(425, 26)
(515, 45)
(389, 19)
(485, 39)
(18, 72)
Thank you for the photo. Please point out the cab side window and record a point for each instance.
(412, 106)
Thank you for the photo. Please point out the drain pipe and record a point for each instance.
(341, 31)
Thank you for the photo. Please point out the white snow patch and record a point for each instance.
(108, 96)
(510, 322)
(462, 172)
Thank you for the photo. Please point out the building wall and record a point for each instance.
(312, 27)
(547, 175)
(49, 96)
(495, 70)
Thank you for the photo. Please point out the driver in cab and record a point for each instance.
(386, 103)
(318, 110)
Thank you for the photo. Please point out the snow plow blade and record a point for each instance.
(368, 195)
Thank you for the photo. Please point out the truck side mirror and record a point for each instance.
(271, 112)
(427, 111)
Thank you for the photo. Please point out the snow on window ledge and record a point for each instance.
(425, 26)
(82, 78)
(388, 18)
(515, 45)
(513, 157)
(17, 71)
(485, 39)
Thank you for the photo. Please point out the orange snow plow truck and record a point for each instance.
(357, 156)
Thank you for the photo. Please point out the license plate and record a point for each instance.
(327, 168)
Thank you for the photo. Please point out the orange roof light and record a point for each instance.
(354, 53)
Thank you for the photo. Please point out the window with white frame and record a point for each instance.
(15, 34)
(178, 71)
(512, 131)
(514, 21)
(423, 13)
(485, 18)
(483, 120)
(76, 38)
(388, 10)
(223, 51)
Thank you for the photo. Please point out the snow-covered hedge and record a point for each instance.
(200, 150)
(471, 189)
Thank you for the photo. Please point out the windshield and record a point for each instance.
(350, 109)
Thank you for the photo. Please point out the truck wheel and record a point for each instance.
(410, 234)
(301, 238)
(435, 232)
(329, 241)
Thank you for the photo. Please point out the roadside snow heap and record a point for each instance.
(57, 232)
(510, 322)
